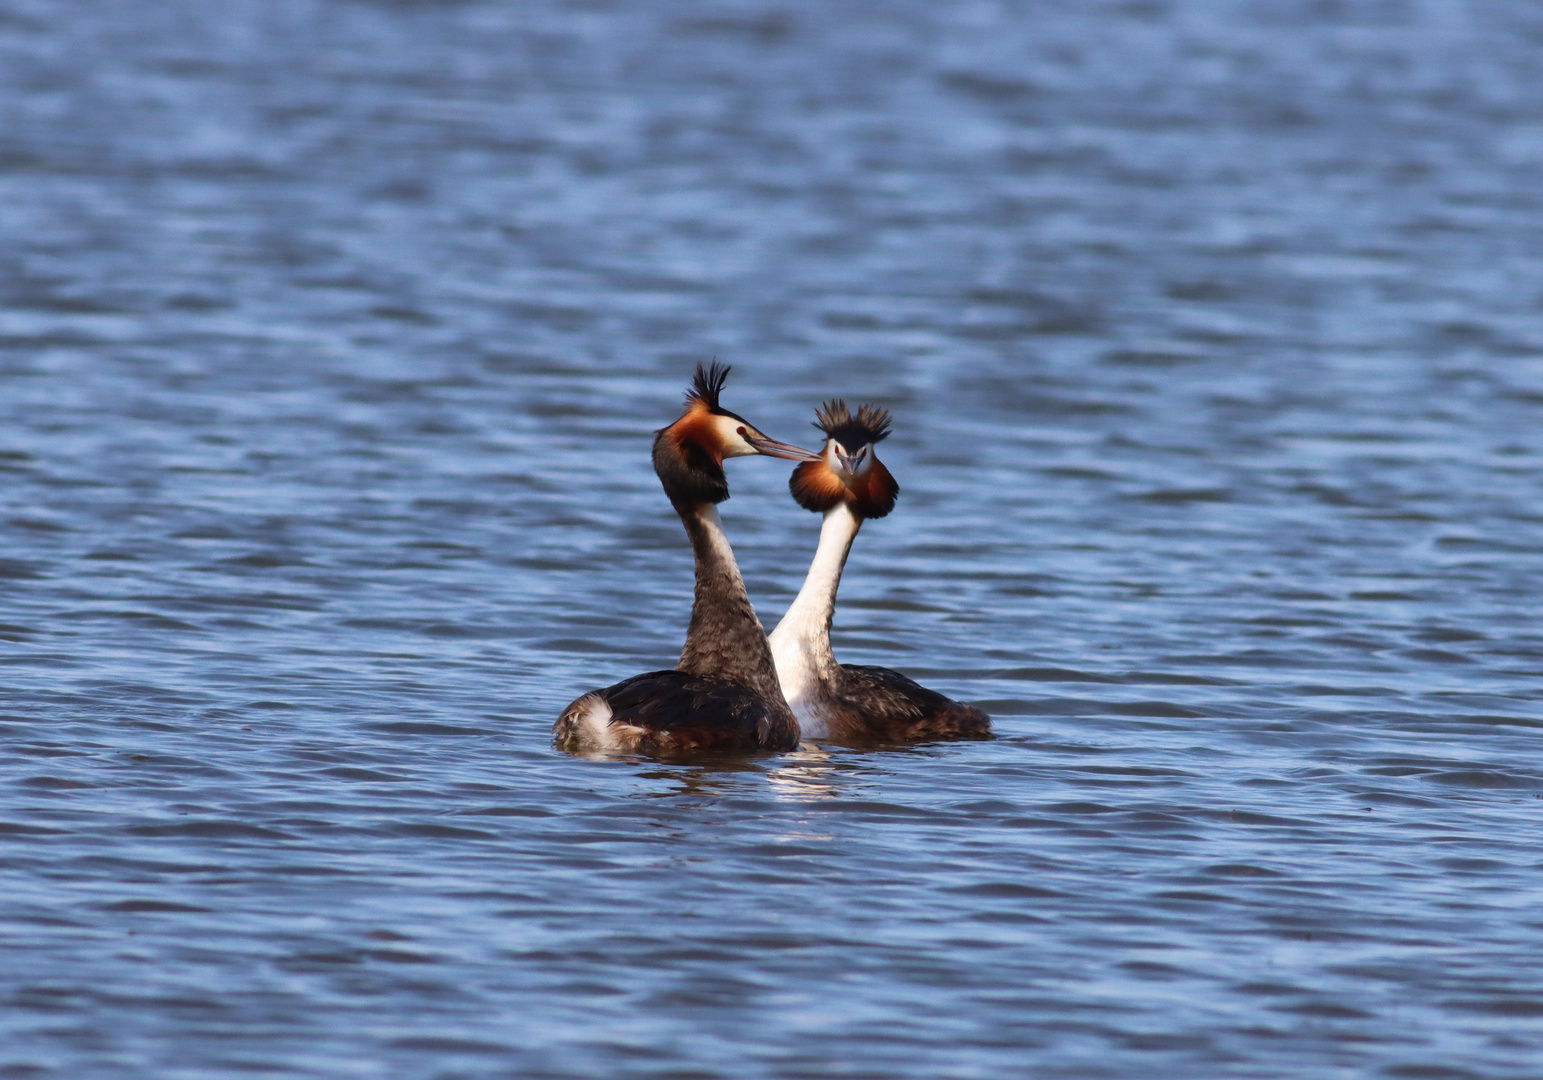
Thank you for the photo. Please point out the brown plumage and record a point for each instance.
(667, 713)
(871, 491)
(724, 694)
(852, 703)
(815, 486)
(873, 704)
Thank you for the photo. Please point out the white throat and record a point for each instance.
(801, 643)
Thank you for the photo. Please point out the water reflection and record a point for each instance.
(808, 774)
(704, 776)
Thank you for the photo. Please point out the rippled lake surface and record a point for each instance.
(332, 335)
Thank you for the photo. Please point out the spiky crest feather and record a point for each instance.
(870, 425)
(707, 384)
(687, 458)
(815, 486)
(831, 414)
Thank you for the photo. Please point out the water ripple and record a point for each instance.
(332, 336)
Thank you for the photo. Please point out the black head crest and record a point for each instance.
(870, 425)
(707, 384)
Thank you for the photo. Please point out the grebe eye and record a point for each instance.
(739, 431)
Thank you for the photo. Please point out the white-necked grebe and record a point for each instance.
(851, 703)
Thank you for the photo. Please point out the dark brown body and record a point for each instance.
(663, 713)
(873, 704)
(724, 694)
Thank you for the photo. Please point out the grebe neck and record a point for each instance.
(725, 639)
(801, 642)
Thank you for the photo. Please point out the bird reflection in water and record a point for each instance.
(808, 774)
(711, 777)
(804, 775)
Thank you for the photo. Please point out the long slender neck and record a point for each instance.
(804, 631)
(725, 638)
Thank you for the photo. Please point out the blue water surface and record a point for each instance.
(332, 338)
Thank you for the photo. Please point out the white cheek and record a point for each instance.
(863, 465)
(733, 443)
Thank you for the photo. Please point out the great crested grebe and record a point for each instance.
(723, 695)
(849, 702)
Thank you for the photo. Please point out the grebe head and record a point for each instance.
(848, 469)
(689, 454)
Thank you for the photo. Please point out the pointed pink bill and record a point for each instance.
(772, 448)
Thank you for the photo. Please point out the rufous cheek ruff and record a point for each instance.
(815, 486)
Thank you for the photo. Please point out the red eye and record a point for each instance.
(740, 431)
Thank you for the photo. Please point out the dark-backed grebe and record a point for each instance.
(723, 695)
(851, 703)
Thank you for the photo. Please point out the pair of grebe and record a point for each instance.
(735, 688)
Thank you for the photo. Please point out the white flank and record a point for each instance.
(595, 721)
(587, 727)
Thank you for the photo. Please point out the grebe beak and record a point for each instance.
(772, 448)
